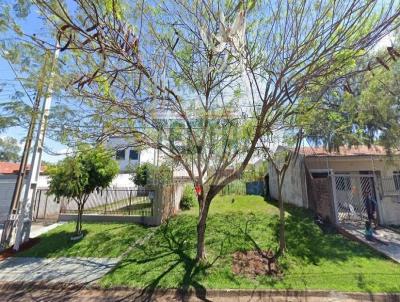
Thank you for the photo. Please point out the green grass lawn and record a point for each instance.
(100, 240)
(314, 260)
(236, 223)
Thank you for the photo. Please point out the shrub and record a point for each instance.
(141, 174)
(148, 173)
(163, 174)
(188, 199)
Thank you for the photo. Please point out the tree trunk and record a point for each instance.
(282, 239)
(78, 228)
(80, 220)
(201, 229)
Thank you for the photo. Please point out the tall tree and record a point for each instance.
(9, 149)
(203, 81)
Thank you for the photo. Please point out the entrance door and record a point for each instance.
(350, 192)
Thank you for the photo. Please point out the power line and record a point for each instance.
(16, 76)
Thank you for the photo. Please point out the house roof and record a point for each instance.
(12, 168)
(346, 151)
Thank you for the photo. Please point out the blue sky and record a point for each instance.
(31, 25)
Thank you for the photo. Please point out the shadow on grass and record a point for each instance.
(172, 256)
(306, 241)
(107, 241)
(166, 261)
(52, 244)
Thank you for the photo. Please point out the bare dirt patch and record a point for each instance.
(9, 252)
(255, 263)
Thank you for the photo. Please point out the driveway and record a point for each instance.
(391, 239)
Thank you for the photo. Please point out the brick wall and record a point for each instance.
(320, 196)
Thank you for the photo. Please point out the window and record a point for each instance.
(396, 179)
(319, 174)
(133, 155)
(120, 154)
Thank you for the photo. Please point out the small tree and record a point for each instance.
(78, 176)
(141, 174)
(280, 161)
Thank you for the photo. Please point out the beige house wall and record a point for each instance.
(382, 165)
(294, 187)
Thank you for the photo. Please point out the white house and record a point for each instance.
(128, 157)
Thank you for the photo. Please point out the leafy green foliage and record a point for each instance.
(255, 172)
(188, 199)
(368, 115)
(78, 176)
(9, 149)
(142, 173)
(147, 173)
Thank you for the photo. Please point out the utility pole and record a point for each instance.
(24, 220)
(9, 223)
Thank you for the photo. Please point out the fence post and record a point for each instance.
(335, 201)
(37, 202)
(105, 205)
(130, 202)
(379, 199)
(45, 207)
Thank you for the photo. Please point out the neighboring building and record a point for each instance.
(335, 184)
(8, 176)
(128, 157)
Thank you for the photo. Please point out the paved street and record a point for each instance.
(27, 294)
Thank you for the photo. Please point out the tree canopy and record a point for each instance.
(368, 114)
(76, 177)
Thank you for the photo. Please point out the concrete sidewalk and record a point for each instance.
(55, 270)
(391, 250)
(37, 229)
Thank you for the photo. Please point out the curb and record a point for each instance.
(231, 294)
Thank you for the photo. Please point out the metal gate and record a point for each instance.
(350, 192)
(44, 207)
